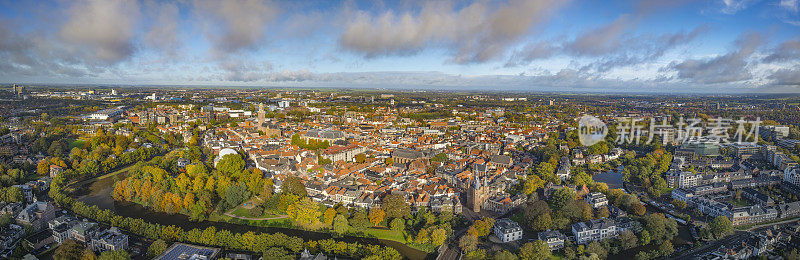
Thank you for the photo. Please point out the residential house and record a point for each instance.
(507, 230)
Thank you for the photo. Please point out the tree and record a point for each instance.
(423, 237)
(307, 212)
(534, 208)
(595, 248)
(395, 206)
(293, 185)
(644, 237)
(534, 251)
(541, 222)
(569, 252)
(438, 236)
(721, 226)
(376, 216)
(156, 248)
(546, 171)
(638, 209)
(682, 204)
(340, 225)
(398, 224)
(115, 255)
(602, 212)
(360, 220)
(360, 158)
(665, 249)
(598, 148)
(532, 183)
(504, 255)
(328, 216)
(660, 227)
(484, 226)
(642, 255)
(235, 195)
(230, 164)
(561, 197)
(479, 254)
(88, 254)
(627, 240)
(69, 250)
(277, 253)
(468, 242)
(43, 167)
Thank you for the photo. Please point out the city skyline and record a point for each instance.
(536, 45)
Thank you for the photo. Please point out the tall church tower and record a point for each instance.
(477, 195)
(260, 117)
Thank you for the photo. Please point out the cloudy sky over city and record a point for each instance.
(720, 46)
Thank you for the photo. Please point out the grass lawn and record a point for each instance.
(740, 203)
(242, 213)
(387, 234)
(76, 143)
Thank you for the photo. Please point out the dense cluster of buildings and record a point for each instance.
(713, 182)
(474, 165)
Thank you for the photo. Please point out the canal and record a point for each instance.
(612, 178)
(98, 192)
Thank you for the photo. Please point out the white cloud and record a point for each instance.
(734, 6)
(102, 29)
(731, 67)
(791, 5)
(164, 31)
(474, 33)
(236, 25)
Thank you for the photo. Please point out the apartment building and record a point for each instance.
(594, 230)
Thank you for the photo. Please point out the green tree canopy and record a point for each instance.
(230, 164)
(395, 206)
(721, 226)
(536, 250)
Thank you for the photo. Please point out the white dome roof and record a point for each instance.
(226, 151)
(222, 153)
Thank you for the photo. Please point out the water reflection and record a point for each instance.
(613, 178)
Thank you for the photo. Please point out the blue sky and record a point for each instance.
(719, 46)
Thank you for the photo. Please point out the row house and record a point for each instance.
(756, 182)
(343, 153)
(787, 210)
(757, 197)
(682, 179)
(503, 203)
(366, 201)
(711, 207)
(594, 230)
(444, 203)
(752, 214)
(709, 189)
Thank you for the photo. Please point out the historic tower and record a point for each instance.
(260, 116)
(477, 195)
(262, 126)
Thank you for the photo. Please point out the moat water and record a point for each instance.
(99, 191)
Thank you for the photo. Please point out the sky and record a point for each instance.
(675, 46)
